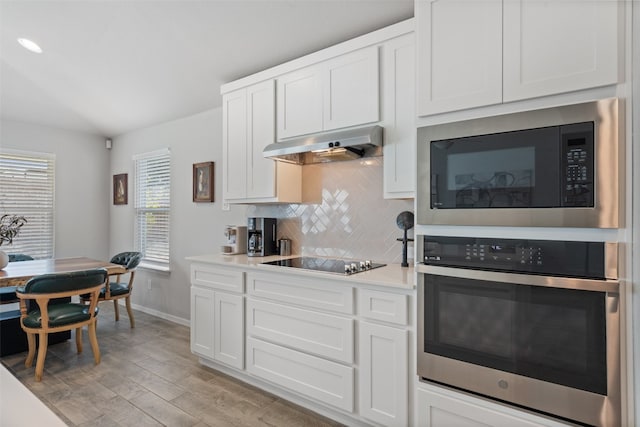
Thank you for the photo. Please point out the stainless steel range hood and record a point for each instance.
(327, 147)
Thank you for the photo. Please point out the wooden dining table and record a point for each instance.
(18, 273)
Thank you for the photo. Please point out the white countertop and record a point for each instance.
(20, 407)
(391, 275)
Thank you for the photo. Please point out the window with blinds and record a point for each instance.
(152, 205)
(27, 189)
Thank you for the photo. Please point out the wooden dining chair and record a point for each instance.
(54, 315)
(118, 289)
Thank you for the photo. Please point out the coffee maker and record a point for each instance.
(261, 237)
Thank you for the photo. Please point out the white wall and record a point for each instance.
(196, 228)
(81, 188)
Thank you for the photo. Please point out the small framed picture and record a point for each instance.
(203, 182)
(120, 189)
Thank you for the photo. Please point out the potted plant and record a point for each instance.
(9, 228)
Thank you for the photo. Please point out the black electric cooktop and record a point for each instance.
(327, 265)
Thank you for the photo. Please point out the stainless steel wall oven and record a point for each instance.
(534, 323)
(554, 167)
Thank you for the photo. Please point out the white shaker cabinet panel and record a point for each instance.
(202, 321)
(459, 48)
(322, 334)
(351, 89)
(398, 117)
(234, 144)
(384, 372)
(228, 279)
(313, 377)
(229, 329)
(261, 172)
(299, 101)
(559, 46)
(436, 409)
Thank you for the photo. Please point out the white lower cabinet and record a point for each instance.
(437, 408)
(342, 347)
(322, 334)
(315, 378)
(217, 317)
(202, 320)
(229, 329)
(384, 372)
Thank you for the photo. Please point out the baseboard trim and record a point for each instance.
(160, 314)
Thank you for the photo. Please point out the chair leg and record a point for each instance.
(93, 339)
(128, 303)
(31, 340)
(115, 308)
(79, 340)
(42, 354)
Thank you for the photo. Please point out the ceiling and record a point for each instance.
(110, 67)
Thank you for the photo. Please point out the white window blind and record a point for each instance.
(152, 204)
(27, 189)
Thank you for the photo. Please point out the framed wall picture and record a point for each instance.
(120, 189)
(203, 182)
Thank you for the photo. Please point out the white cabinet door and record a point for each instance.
(459, 48)
(229, 329)
(322, 334)
(351, 89)
(299, 107)
(439, 410)
(234, 144)
(261, 172)
(384, 372)
(398, 117)
(202, 321)
(316, 378)
(558, 46)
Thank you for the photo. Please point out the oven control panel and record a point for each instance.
(554, 257)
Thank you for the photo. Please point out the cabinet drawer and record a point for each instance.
(313, 377)
(209, 276)
(318, 333)
(384, 306)
(313, 293)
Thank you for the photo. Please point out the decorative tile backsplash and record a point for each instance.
(345, 216)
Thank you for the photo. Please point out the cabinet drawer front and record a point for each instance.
(315, 378)
(318, 333)
(384, 306)
(311, 293)
(227, 279)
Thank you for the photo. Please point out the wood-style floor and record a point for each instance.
(148, 377)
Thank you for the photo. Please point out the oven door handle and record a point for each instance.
(598, 285)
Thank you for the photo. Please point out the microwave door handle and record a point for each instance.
(609, 286)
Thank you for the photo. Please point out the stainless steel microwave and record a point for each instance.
(554, 167)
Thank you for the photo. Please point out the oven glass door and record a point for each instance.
(551, 334)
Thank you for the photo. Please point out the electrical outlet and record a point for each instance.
(225, 206)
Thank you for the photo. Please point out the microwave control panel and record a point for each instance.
(552, 257)
(578, 165)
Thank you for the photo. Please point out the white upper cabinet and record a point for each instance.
(473, 54)
(351, 89)
(300, 102)
(559, 46)
(337, 93)
(261, 172)
(249, 126)
(234, 144)
(459, 50)
(398, 117)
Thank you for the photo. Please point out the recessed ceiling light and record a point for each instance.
(30, 45)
